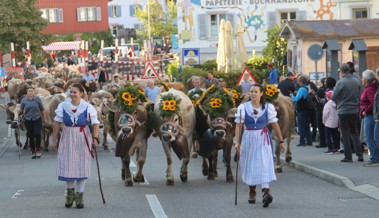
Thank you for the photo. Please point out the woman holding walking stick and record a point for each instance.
(255, 149)
(75, 145)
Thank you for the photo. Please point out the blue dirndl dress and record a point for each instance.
(256, 154)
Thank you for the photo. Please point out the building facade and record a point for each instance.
(122, 17)
(74, 16)
(199, 20)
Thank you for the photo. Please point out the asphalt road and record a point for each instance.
(29, 188)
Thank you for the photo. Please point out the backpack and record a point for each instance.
(311, 99)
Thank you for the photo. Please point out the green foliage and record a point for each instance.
(128, 97)
(189, 71)
(161, 23)
(173, 69)
(258, 67)
(21, 22)
(209, 65)
(276, 48)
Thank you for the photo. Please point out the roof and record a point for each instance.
(337, 29)
(58, 46)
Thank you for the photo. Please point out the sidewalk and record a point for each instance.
(355, 176)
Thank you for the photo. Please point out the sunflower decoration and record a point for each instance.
(164, 84)
(271, 93)
(169, 105)
(196, 96)
(216, 102)
(237, 94)
(128, 97)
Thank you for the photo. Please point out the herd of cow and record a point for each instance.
(189, 131)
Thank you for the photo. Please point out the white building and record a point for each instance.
(198, 20)
(121, 15)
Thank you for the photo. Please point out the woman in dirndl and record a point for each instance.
(255, 148)
(75, 144)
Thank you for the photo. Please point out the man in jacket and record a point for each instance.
(347, 95)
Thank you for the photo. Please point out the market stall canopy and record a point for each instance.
(58, 46)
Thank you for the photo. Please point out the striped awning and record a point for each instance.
(58, 46)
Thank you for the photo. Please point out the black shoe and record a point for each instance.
(346, 160)
(360, 159)
(309, 144)
(301, 145)
(321, 146)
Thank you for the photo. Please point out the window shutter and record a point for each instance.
(110, 11)
(78, 10)
(202, 26)
(131, 10)
(60, 15)
(271, 20)
(98, 13)
(301, 15)
(118, 9)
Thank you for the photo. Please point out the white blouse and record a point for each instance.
(240, 115)
(67, 106)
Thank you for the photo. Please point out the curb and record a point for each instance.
(367, 189)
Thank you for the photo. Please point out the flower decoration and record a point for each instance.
(236, 94)
(164, 84)
(271, 93)
(216, 101)
(169, 105)
(196, 96)
(255, 112)
(128, 97)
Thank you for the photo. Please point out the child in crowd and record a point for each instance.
(330, 120)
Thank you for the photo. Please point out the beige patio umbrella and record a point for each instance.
(229, 47)
(221, 59)
(240, 47)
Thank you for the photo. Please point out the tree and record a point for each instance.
(276, 48)
(21, 21)
(161, 24)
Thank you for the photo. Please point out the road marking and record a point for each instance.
(132, 164)
(156, 206)
(17, 193)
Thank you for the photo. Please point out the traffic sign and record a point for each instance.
(149, 72)
(246, 71)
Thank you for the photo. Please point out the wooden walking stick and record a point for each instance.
(238, 160)
(98, 174)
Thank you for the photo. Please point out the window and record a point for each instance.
(89, 14)
(215, 20)
(137, 26)
(133, 9)
(52, 15)
(360, 13)
(114, 11)
(286, 16)
(209, 25)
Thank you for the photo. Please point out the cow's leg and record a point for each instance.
(169, 174)
(128, 174)
(215, 163)
(105, 135)
(17, 137)
(204, 167)
(211, 174)
(185, 159)
(228, 157)
(141, 158)
(46, 136)
(278, 165)
(195, 148)
(288, 152)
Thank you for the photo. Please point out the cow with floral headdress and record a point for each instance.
(174, 123)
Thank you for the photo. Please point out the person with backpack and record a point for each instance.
(302, 110)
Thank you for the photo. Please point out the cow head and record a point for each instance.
(13, 116)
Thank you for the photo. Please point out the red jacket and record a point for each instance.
(367, 99)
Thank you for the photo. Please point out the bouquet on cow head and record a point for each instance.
(236, 95)
(196, 97)
(128, 98)
(271, 93)
(169, 105)
(217, 101)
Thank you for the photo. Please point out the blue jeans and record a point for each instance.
(375, 151)
(304, 130)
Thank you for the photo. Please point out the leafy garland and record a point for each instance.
(169, 105)
(196, 97)
(236, 94)
(271, 93)
(219, 101)
(128, 96)
(164, 84)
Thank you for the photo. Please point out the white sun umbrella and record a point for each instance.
(221, 60)
(240, 46)
(229, 46)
